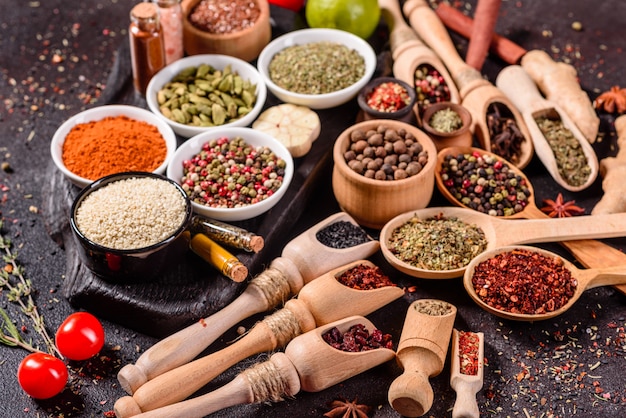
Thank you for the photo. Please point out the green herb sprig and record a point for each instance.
(19, 291)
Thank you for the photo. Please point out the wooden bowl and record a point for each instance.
(246, 44)
(461, 137)
(372, 203)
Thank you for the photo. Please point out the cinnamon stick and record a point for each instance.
(455, 20)
(485, 19)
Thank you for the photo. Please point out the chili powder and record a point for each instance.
(113, 145)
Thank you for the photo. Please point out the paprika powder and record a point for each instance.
(113, 145)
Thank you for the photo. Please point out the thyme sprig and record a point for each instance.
(19, 291)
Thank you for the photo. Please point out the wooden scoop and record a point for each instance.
(590, 253)
(322, 304)
(308, 363)
(421, 354)
(515, 82)
(477, 93)
(587, 279)
(466, 385)
(500, 232)
(283, 279)
(409, 52)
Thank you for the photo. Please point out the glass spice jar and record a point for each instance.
(171, 19)
(146, 44)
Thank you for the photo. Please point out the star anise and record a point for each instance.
(342, 408)
(612, 101)
(560, 209)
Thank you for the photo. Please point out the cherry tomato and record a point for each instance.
(80, 336)
(41, 375)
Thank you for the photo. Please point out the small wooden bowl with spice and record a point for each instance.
(237, 28)
(111, 139)
(448, 124)
(382, 168)
(387, 98)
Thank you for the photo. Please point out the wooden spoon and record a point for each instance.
(501, 232)
(515, 82)
(586, 278)
(321, 304)
(477, 93)
(303, 259)
(466, 385)
(530, 211)
(308, 363)
(590, 253)
(409, 52)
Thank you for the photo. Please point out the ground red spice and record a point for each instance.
(112, 145)
(468, 353)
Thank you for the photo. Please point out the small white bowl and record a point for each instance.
(242, 68)
(99, 113)
(252, 137)
(304, 36)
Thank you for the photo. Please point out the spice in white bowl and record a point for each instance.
(132, 213)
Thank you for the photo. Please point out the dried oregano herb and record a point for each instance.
(316, 67)
(437, 243)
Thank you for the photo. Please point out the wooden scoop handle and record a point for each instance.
(428, 26)
(181, 382)
(517, 85)
(237, 392)
(560, 229)
(188, 343)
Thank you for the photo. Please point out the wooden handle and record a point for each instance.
(428, 26)
(560, 229)
(605, 276)
(455, 20)
(188, 343)
(485, 17)
(410, 394)
(179, 383)
(465, 405)
(592, 254)
(521, 90)
(400, 33)
(238, 391)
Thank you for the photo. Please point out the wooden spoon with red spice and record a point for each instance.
(546, 288)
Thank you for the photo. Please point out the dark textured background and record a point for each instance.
(58, 58)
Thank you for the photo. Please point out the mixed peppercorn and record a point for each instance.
(231, 173)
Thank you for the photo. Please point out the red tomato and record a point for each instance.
(80, 336)
(41, 375)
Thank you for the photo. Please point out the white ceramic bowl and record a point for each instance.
(304, 36)
(101, 112)
(245, 70)
(251, 136)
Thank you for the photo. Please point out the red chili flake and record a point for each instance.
(468, 353)
(388, 97)
(523, 281)
(357, 338)
(364, 277)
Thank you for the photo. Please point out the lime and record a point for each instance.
(360, 17)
